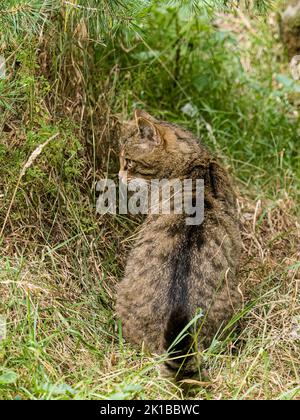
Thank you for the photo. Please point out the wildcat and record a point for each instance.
(175, 269)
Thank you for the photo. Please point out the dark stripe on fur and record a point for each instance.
(210, 180)
(180, 263)
(178, 320)
(178, 295)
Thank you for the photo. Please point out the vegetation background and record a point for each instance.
(74, 70)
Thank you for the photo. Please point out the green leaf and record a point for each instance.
(289, 84)
(60, 389)
(124, 392)
(9, 377)
(146, 55)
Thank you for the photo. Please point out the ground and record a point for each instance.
(60, 262)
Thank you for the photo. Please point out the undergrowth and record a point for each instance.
(226, 78)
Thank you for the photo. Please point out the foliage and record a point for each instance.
(78, 69)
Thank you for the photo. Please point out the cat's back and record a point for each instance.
(177, 269)
(174, 264)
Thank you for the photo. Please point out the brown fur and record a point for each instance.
(175, 269)
(289, 26)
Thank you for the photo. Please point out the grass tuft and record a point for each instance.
(60, 262)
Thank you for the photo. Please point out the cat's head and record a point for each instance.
(153, 149)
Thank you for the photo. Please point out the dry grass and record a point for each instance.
(61, 330)
(59, 262)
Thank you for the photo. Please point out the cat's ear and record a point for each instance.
(149, 132)
(139, 113)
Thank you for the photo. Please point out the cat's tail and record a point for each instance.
(178, 342)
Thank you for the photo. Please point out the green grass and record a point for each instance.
(60, 262)
(61, 343)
